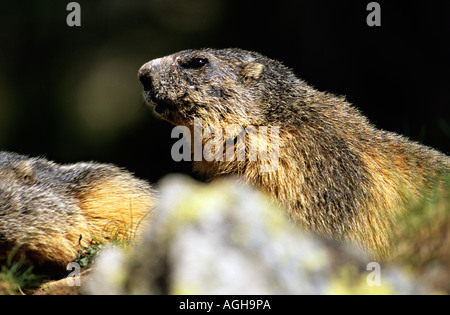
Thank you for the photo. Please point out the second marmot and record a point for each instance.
(45, 207)
(337, 174)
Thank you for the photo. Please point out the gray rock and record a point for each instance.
(228, 238)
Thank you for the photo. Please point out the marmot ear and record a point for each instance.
(251, 72)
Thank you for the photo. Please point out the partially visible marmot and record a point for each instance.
(337, 174)
(45, 208)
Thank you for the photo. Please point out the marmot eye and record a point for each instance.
(196, 63)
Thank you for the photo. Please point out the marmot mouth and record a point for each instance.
(153, 101)
(149, 96)
(160, 106)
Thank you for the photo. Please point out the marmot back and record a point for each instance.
(337, 174)
(46, 207)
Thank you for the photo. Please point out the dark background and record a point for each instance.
(72, 93)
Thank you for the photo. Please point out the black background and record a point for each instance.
(57, 82)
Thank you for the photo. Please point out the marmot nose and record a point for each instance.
(144, 75)
(146, 71)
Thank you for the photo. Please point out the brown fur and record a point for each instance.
(45, 208)
(112, 209)
(338, 175)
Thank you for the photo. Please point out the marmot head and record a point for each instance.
(229, 86)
